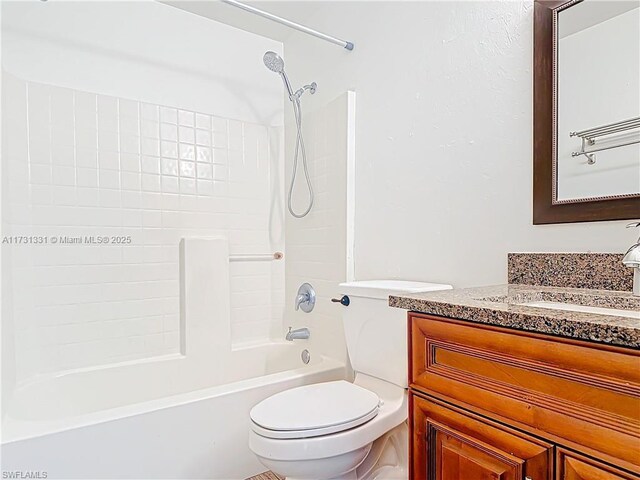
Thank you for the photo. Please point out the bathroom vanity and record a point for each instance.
(524, 382)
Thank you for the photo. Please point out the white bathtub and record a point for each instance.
(107, 423)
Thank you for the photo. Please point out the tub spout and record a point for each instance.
(298, 334)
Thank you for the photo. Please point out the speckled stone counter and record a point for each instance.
(573, 270)
(502, 306)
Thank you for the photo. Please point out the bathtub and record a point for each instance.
(177, 423)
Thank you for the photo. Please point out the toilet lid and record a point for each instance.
(313, 410)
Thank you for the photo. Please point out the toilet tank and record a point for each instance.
(376, 334)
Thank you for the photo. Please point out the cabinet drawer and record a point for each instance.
(560, 388)
(451, 444)
(572, 466)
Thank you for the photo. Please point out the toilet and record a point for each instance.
(347, 430)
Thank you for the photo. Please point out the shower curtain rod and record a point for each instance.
(289, 23)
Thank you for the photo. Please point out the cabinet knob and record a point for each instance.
(528, 478)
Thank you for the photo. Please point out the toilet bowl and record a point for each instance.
(342, 430)
(335, 454)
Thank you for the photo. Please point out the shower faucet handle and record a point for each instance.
(306, 298)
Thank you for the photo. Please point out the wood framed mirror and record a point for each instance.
(586, 124)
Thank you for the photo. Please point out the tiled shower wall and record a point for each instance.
(79, 164)
(319, 246)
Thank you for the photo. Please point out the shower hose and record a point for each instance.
(297, 110)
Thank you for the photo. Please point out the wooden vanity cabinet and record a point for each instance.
(503, 404)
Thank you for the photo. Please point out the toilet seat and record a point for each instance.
(314, 410)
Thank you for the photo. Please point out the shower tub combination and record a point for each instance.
(107, 424)
(179, 416)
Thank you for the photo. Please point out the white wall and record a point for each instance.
(444, 137)
(113, 127)
(590, 95)
(319, 245)
(143, 50)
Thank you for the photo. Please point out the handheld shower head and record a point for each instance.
(274, 62)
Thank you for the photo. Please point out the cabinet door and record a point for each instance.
(451, 444)
(572, 466)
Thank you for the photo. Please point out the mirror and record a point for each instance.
(587, 104)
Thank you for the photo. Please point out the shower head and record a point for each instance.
(273, 62)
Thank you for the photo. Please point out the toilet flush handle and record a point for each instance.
(344, 300)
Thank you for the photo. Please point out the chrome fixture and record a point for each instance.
(297, 334)
(289, 23)
(305, 356)
(590, 136)
(632, 260)
(306, 298)
(274, 62)
(256, 257)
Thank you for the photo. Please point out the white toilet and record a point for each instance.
(343, 430)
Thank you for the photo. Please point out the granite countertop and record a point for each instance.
(501, 305)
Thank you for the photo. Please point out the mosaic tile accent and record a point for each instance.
(603, 271)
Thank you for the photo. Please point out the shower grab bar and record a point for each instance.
(256, 257)
(289, 23)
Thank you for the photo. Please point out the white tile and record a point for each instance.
(130, 162)
(150, 129)
(168, 115)
(62, 136)
(109, 179)
(64, 175)
(221, 140)
(151, 183)
(219, 124)
(205, 171)
(168, 132)
(63, 195)
(203, 137)
(204, 154)
(170, 184)
(186, 118)
(150, 164)
(112, 176)
(221, 156)
(203, 121)
(129, 143)
(86, 158)
(186, 135)
(129, 125)
(109, 160)
(150, 146)
(130, 180)
(107, 113)
(187, 186)
(108, 140)
(169, 166)
(205, 187)
(86, 102)
(86, 138)
(149, 112)
(187, 169)
(87, 177)
(127, 108)
(169, 149)
(187, 151)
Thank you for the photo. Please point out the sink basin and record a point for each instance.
(583, 308)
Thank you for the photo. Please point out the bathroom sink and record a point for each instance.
(584, 308)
